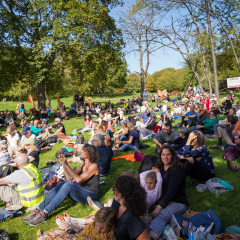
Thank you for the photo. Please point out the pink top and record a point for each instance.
(155, 194)
(88, 123)
(206, 103)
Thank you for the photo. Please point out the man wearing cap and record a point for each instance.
(133, 118)
(145, 95)
(105, 158)
(26, 133)
(59, 128)
(30, 189)
(153, 123)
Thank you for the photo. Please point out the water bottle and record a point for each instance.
(226, 185)
(236, 135)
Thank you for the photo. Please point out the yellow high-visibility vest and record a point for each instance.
(34, 193)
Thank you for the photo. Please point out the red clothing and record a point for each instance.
(206, 103)
(156, 128)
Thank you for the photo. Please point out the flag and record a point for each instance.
(30, 100)
(59, 101)
(174, 92)
(162, 94)
(35, 97)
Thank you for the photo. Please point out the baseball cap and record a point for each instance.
(44, 120)
(125, 121)
(25, 130)
(153, 116)
(133, 112)
(168, 107)
(29, 141)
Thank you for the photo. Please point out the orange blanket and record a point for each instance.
(129, 157)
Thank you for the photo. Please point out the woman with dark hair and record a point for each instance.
(173, 197)
(196, 158)
(86, 184)
(181, 141)
(88, 122)
(132, 199)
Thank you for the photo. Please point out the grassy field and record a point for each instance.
(226, 206)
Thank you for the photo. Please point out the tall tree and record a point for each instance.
(50, 28)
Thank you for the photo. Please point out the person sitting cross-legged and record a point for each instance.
(59, 127)
(85, 184)
(190, 118)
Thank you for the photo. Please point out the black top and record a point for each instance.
(105, 159)
(132, 120)
(153, 125)
(228, 104)
(173, 187)
(57, 127)
(135, 135)
(35, 155)
(92, 184)
(115, 204)
(115, 115)
(179, 142)
(129, 226)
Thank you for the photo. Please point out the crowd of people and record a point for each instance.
(155, 194)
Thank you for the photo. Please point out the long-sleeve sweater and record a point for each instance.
(155, 194)
(209, 122)
(173, 187)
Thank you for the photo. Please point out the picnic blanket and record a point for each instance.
(64, 138)
(129, 157)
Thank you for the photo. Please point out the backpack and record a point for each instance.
(231, 153)
(4, 235)
(5, 170)
(139, 157)
(52, 139)
(79, 140)
(41, 144)
(148, 162)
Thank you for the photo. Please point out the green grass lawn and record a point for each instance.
(226, 206)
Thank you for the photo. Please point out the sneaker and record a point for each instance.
(116, 151)
(232, 167)
(49, 162)
(219, 144)
(40, 218)
(94, 204)
(31, 216)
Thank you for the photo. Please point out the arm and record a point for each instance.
(4, 181)
(143, 236)
(58, 131)
(125, 142)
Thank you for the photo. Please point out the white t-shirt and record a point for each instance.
(12, 140)
(169, 114)
(164, 108)
(19, 177)
(138, 108)
(107, 118)
(143, 109)
(120, 114)
(32, 136)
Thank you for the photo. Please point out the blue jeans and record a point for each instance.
(128, 146)
(63, 190)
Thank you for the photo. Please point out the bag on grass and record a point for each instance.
(42, 143)
(147, 163)
(52, 183)
(231, 153)
(52, 139)
(139, 156)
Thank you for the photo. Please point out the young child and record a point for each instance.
(102, 227)
(151, 181)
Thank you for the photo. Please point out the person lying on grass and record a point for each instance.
(86, 183)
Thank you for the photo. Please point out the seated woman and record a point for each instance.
(196, 158)
(86, 184)
(206, 126)
(88, 122)
(133, 142)
(122, 132)
(109, 128)
(179, 96)
(173, 197)
(181, 141)
(80, 111)
(132, 199)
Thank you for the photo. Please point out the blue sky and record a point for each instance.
(163, 58)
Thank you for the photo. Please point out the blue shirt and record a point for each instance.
(145, 117)
(190, 114)
(145, 94)
(43, 128)
(104, 160)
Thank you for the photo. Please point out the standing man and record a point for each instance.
(145, 95)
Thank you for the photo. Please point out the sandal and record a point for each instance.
(62, 223)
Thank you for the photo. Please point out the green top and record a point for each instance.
(208, 123)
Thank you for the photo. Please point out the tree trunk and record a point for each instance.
(186, 88)
(143, 82)
(48, 98)
(41, 95)
(212, 50)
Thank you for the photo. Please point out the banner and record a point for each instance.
(174, 92)
(35, 97)
(233, 82)
(30, 100)
(59, 101)
(161, 94)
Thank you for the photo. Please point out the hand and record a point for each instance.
(234, 132)
(63, 160)
(156, 211)
(190, 159)
(51, 135)
(118, 141)
(237, 141)
(156, 170)
(11, 185)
